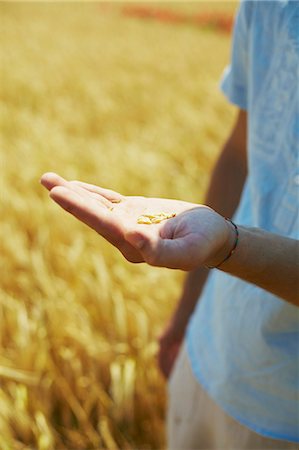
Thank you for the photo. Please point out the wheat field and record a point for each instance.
(128, 104)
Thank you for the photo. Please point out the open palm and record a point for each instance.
(195, 236)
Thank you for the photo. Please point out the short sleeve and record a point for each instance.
(234, 82)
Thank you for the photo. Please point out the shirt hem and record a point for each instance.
(262, 431)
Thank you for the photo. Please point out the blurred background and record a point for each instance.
(123, 95)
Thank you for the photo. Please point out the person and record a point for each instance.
(231, 357)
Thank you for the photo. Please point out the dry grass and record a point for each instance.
(125, 104)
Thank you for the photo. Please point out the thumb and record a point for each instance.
(180, 253)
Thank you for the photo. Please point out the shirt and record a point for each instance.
(243, 341)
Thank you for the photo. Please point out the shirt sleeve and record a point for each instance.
(234, 82)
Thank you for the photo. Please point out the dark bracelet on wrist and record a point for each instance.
(232, 250)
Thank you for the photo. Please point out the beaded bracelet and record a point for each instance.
(234, 246)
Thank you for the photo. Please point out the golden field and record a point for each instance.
(128, 104)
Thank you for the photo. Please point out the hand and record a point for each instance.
(169, 345)
(197, 235)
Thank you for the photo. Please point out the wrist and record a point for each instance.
(228, 248)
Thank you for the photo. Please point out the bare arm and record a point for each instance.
(192, 235)
(196, 237)
(267, 260)
(229, 172)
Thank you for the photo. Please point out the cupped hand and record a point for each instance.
(196, 236)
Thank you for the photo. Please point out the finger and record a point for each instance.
(100, 219)
(181, 253)
(112, 196)
(51, 179)
(89, 194)
(87, 210)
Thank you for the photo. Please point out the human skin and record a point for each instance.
(223, 194)
(230, 171)
(196, 236)
(176, 243)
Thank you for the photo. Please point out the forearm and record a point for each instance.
(226, 183)
(193, 284)
(231, 173)
(267, 260)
